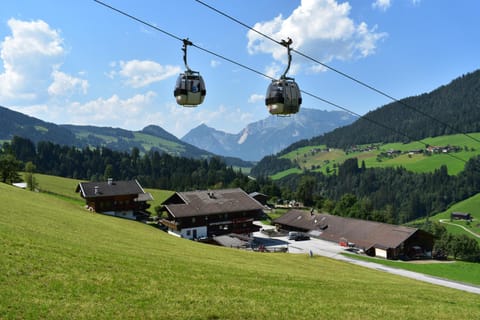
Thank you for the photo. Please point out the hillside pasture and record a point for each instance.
(307, 157)
(62, 262)
(470, 205)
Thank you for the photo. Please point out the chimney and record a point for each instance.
(96, 189)
(110, 181)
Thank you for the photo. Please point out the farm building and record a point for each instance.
(260, 197)
(205, 214)
(460, 216)
(375, 238)
(125, 199)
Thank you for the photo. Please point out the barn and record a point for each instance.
(376, 239)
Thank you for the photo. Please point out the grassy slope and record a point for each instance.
(59, 261)
(65, 188)
(466, 272)
(470, 205)
(416, 163)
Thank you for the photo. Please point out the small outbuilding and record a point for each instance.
(460, 216)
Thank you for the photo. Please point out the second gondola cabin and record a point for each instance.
(283, 97)
(190, 89)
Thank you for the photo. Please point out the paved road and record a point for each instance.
(333, 250)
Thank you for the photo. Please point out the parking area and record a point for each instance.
(310, 246)
(334, 250)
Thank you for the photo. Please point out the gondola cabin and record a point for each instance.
(283, 97)
(190, 89)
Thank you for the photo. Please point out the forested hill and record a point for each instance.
(150, 138)
(456, 106)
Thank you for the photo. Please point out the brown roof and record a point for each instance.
(112, 188)
(200, 203)
(365, 234)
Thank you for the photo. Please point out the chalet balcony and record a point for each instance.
(170, 224)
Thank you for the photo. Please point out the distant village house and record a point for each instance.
(125, 199)
(460, 216)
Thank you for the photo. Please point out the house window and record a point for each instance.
(193, 220)
(188, 232)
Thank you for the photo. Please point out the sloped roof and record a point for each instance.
(113, 188)
(364, 234)
(209, 202)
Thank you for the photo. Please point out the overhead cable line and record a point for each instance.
(262, 74)
(362, 83)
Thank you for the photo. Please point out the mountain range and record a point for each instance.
(255, 141)
(268, 136)
(449, 109)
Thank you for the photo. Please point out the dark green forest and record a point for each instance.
(392, 195)
(449, 109)
(153, 169)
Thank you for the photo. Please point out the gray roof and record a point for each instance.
(209, 202)
(230, 241)
(365, 234)
(113, 188)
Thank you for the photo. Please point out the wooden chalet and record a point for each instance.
(125, 199)
(375, 238)
(205, 214)
(460, 216)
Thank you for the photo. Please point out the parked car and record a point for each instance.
(297, 236)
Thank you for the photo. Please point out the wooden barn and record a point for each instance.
(125, 199)
(376, 239)
(460, 216)
(205, 214)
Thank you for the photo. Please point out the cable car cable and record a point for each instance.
(265, 75)
(341, 73)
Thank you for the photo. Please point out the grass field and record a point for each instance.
(460, 271)
(61, 262)
(470, 205)
(307, 158)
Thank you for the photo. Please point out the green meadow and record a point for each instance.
(460, 271)
(59, 261)
(308, 159)
(470, 205)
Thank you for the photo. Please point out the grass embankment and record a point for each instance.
(310, 158)
(470, 205)
(65, 188)
(460, 271)
(59, 262)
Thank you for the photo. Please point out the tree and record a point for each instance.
(9, 167)
(305, 190)
(29, 176)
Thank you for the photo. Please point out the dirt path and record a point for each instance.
(444, 221)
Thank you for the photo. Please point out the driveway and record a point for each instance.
(334, 250)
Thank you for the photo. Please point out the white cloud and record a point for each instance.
(141, 73)
(254, 98)
(382, 4)
(64, 84)
(32, 56)
(214, 63)
(319, 28)
(111, 111)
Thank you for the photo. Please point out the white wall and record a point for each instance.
(122, 214)
(188, 232)
(381, 253)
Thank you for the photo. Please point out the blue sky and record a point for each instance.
(77, 62)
